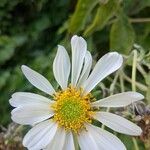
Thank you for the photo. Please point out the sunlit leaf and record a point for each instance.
(81, 14)
(104, 13)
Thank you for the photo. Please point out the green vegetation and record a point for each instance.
(31, 30)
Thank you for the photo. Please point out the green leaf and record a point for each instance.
(103, 1)
(122, 35)
(3, 78)
(15, 81)
(143, 37)
(104, 13)
(81, 14)
(135, 6)
(6, 48)
(8, 45)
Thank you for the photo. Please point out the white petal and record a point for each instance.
(61, 67)
(37, 80)
(40, 135)
(118, 123)
(26, 98)
(69, 143)
(58, 141)
(86, 141)
(66, 142)
(79, 48)
(119, 100)
(86, 69)
(31, 114)
(105, 66)
(103, 139)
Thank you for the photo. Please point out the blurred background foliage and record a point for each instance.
(30, 31)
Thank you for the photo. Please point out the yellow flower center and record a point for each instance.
(72, 109)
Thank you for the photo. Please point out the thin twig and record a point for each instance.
(133, 20)
(141, 70)
(121, 82)
(139, 85)
(139, 20)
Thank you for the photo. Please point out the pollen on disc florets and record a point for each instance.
(72, 109)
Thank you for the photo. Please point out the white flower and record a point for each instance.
(69, 112)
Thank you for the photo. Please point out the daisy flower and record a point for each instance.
(69, 112)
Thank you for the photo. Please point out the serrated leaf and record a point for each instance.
(104, 13)
(80, 15)
(122, 35)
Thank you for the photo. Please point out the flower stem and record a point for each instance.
(135, 144)
(134, 70)
(121, 82)
(134, 64)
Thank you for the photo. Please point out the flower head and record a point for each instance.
(70, 110)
